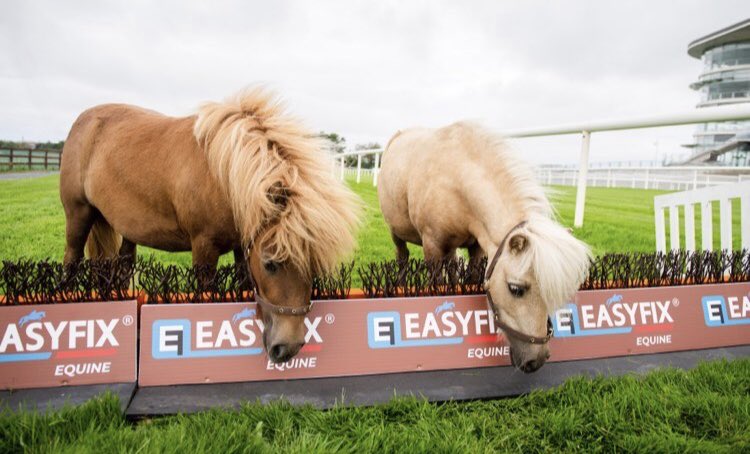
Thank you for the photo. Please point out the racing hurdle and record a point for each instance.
(411, 333)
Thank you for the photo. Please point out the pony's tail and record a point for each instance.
(103, 241)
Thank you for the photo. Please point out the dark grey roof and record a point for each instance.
(734, 33)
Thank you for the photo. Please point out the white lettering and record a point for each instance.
(107, 333)
(647, 341)
(411, 325)
(11, 337)
(203, 335)
(246, 331)
(312, 330)
(76, 332)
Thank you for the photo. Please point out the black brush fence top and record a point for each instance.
(43, 282)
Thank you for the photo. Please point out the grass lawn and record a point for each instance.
(32, 223)
(706, 409)
(703, 410)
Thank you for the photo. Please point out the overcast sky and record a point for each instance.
(366, 69)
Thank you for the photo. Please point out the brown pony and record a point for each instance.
(460, 187)
(239, 176)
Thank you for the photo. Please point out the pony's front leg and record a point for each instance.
(476, 255)
(441, 256)
(127, 249)
(240, 263)
(205, 256)
(436, 250)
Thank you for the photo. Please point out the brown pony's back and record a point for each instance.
(145, 174)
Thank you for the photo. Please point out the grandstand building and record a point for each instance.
(725, 80)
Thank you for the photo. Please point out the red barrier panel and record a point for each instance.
(212, 343)
(67, 344)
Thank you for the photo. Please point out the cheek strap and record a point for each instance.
(503, 326)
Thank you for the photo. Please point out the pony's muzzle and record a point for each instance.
(529, 365)
(281, 353)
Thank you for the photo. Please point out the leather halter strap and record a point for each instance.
(281, 310)
(507, 329)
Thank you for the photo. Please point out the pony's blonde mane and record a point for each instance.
(558, 260)
(279, 182)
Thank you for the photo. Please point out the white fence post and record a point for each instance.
(724, 194)
(376, 170)
(583, 166)
(341, 173)
(359, 168)
(661, 237)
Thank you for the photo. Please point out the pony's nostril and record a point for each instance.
(531, 366)
(278, 352)
(548, 355)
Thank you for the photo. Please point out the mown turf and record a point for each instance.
(32, 223)
(703, 410)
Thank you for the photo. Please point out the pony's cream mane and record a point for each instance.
(558, 260)
(279, 182)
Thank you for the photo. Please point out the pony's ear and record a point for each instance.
(518, 243)
(279, 195)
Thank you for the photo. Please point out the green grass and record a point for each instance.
(703, 410)
(32, 223)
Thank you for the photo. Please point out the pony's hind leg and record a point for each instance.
(402, 252)
(79, 218)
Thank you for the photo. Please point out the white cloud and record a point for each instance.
(364, 69)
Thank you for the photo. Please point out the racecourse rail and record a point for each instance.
(585, 129)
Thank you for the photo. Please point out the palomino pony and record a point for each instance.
(459, 187)
(239, 176)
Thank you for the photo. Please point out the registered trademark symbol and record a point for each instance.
(330, 319)
(127, 320)
(675, 302)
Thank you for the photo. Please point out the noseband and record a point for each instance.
(281, 310)
(507, 329)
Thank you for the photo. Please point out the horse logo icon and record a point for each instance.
(244, 313)
(616, 298)
(31, 317)
(446, 306)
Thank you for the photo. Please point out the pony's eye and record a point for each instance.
(271, 266)
(516, 290)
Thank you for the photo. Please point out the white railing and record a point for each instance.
(358, 171)
(664, 178)
(734, 112)
(705, 197)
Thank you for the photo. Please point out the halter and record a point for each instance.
(281, 310)
(507, 329)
